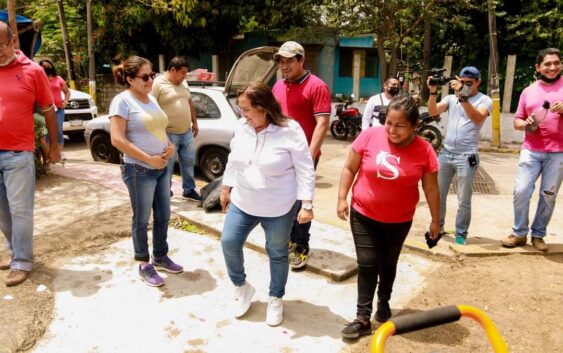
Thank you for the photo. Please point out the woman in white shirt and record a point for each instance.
(269, 169)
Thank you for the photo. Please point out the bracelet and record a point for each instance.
(47, 109)
(462, 99)
(434, 93)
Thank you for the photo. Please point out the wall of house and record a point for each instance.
(344, 84)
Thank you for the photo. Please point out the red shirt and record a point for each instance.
(23, 83)
(57, 83)
(303, 100)
(386, 188)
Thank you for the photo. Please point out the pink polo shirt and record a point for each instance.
(549, 136)
(303, 100)
(23, 83)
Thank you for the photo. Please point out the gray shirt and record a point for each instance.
(146, 124)
(462, 134)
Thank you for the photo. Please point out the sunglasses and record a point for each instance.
(146, 77)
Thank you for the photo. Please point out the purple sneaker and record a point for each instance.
(167, 265)
(149, 275)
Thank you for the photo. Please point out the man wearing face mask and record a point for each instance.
(467, 110)
(376, 103)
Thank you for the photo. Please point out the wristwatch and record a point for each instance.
(307, 206)
(463, 99)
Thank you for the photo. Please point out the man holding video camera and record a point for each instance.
(467, 110)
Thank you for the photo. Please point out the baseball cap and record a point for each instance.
(471, 72)
(289, 50)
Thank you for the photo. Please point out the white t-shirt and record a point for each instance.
(268, 171)
(374, 101)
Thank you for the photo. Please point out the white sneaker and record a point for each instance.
(274, 315)
(243, 296)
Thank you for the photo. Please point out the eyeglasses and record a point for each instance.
(146, 77)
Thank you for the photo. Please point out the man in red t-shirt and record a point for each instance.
(305, 98)
(24, 84)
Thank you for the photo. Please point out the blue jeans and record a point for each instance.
(148, 189)
(457, 164)
(238, 225)
(60, 121)
(185, 149)
(530, 167)
(17, 197)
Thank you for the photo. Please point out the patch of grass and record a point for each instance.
(185, 225)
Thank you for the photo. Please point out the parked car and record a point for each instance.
(215, 109)
(80, 110)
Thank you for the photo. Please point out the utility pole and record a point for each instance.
(91, 61)
(12, 22)
(66, 44)
(493, 72)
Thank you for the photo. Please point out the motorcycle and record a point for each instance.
(349, 122)
(429, 132)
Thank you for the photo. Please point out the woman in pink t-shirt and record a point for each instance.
(388, 163)
(58, 86)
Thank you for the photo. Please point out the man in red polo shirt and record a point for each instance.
(305, 98)
(24, 84)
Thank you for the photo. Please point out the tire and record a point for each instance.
(213, 162)
(354, 131)
(339, 130)
(102, 150)
(431, 134)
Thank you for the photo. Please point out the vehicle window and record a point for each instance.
(205, 107)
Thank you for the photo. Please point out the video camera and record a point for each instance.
(438, 78)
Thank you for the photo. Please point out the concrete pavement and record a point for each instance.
(101, 305)
(333, 253)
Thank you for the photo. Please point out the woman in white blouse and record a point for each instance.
(269, 169)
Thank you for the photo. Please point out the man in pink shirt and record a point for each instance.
(305, 98)
(542, 150)
(24, 84)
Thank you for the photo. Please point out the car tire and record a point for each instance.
(213, 162)
(102, 150)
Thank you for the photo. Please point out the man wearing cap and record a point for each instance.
(305, 98)
(24, 84)
(467, 110)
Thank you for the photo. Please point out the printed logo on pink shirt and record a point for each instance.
(387, 163)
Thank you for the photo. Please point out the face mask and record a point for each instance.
(394, 91)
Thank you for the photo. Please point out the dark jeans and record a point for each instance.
(300, 232)
(149, 190)
(378, 246)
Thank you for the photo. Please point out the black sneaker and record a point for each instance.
(192, 196)
(356, 329)
(383, 312)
